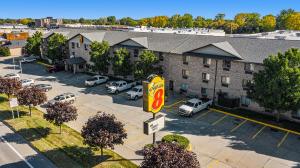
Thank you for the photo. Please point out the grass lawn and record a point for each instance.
(64, 150)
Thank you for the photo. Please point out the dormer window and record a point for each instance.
(226, 65)
(206, 62)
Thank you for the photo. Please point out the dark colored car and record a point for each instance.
(44, 87)
(55, 68)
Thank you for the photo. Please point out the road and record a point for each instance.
(17, 153)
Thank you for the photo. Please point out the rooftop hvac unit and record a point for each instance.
(298, 34)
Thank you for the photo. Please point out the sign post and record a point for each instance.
(13, 102)
(153, 102)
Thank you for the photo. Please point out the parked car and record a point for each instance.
(110, 83)
(27, 60)
(96, 80)
(120, 86)
(55, 68)
(44, 87)
(65, 97)
(135, 92)
(27, 82)
(12, 76)
(194, 106)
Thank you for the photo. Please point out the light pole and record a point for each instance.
(20, 67)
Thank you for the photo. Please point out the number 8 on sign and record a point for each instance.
(158, 99)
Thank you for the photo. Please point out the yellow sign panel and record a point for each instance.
(153, 94)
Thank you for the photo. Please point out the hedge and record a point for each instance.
(180, 140)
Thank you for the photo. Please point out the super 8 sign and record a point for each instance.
(153, 94)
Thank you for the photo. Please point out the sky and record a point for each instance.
(139, 8)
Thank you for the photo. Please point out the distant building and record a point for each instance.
(278, 34)
(16, 47)
(16, 36)
(48, 22)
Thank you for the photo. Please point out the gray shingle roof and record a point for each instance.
(249, 49)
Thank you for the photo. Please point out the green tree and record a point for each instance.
(200, 22)
(268, 23)
(282, 17)
(277, 86)
(293, 22)
(100, 56)
(111, 20)
(185, 21)
(128, 21)
(4, 51)
(121, 62)
(101, 21)
(56, 46)
(33, 44)
(230, 27)
(173, 21)
(146, 65)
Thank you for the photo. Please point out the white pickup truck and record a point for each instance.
(135, 92)
(95, 80)
(119, 86)
(194, 106)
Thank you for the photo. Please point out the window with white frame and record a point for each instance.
(185, 74)
(73, 45)
(78, 45)
(205, 77)
(245, 101)
(226, 65)
(206, 62)
(225, 80)
(249, 68)
(185, 59)
(245, 83)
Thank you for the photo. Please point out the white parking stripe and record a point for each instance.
(12, 148)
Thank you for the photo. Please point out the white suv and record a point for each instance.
(65, 97)
(12, 76)
(135, 93)
(96, 80)
(27, 82)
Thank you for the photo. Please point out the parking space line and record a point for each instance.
(202, 115)
(219, 120)
(283, 139)
(169, 106)
(238, 126)
(257, 133)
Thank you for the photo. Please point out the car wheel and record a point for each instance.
(191, 115)
(116, 91)
(136, 97)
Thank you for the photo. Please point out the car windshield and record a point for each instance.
(58, 98)
(189, 104)
(92, 79)
(114, 84)
(135, 89)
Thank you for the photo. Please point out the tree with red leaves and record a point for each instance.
(168, 155)
(31, 96)
(59, 113)
(103, 131)
(9, 86)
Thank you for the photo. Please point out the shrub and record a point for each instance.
(4, 51)
(180, 140)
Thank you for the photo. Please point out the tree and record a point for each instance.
(100, 56)
(159, 21)
(268, 23)
(146, 65)
(34, 43)
(103, 131)
(9, 86)
(81, 20)
(59, 113)
(25, 21)
(277, 86)
(145, 22)
(185, 21)
(121, 62)
(111, 20)
(101, 21)
(4, 51)
(56, 46)
(231, 27)
(220, 16)
(128, 21)
(168, 155)
(31, 96)
(293, 22)
(173, 21)
(282, 17)
(200, 22)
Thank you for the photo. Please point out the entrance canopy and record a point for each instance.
(75, 61)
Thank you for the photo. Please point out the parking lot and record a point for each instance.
(218, 139)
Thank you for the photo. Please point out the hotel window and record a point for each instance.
(78, 45)
(205, 77)
(73, 45)
(185, 74)
(86, 47)
(226, 65)
(135, 52)
(245, 83)
(206, 62)
(249, 68)
(204, 92)
(225, 80)
(160, 56)
(245, 101)
(185, 59)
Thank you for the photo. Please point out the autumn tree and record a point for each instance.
(200, 22)
(268, 23)
(100, 56)
(9, 86)
(282, 18)
(59, 113)
(168, 155)
(277, 86)
(121, 64)
(103, 131)
(56, 46)
(146, 65)
(159, 21)
(231, 27)
(33, 44)
(293, 22)
(31, 96)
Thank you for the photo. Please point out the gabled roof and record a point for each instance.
(94, 36)
(223, 49)
(136, 42)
